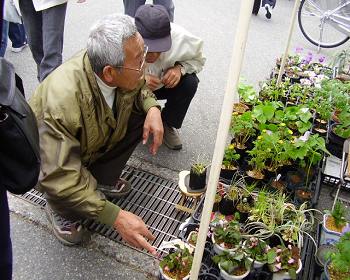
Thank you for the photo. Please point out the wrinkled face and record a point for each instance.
(128, 76)
(152, 57)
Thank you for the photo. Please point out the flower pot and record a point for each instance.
(295, 180)
(226, 206)
(227, 173)
(279, 185)
(284, 275)
(197, 181)
(227, 276)
(243, 217)
(165, 277)
(302, 195)
(257, 264)
(189, 239)
(335, 145)
(218, 248)
(328, 236)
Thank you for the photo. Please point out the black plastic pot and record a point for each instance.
(197, 181)
(305, 196)
(295, 180)
(227, 174)
(226, 206)
(335, 145)
(243, 217)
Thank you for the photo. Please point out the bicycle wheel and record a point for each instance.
(317, 27)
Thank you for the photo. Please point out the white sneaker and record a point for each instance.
(268, 9)
(19, 49)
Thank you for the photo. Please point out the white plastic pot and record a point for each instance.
(256, 264)
(227, 276)
(219, 249)
(164, 276)
(188, 239)
(328, 237)
(284, 275)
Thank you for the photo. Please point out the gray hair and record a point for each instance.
(106, 39)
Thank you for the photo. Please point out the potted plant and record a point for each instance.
(284, 262)
(229, 163)
(192, 238)
(242, 129)
(257, 250)
(176, 265)
(243, 207)
(338, 266)
(198, 176)
(333, 224)
(217, 201)
(247, 94)
(227, 237)
(227, 205)
(233, 265)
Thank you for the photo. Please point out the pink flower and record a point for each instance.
(299, 49)
(278, 266)
(290, 247)
(290, 261)
(278, 250)
(166, 268)
(278, 259)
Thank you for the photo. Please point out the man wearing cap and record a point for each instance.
(92, 112)
(174, 58)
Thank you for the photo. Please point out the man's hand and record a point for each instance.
(154, 125)
(152, 82)
(172, 76)
(134, 231)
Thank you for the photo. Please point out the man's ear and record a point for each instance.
(108, 73)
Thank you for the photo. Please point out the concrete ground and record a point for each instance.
(37, 254)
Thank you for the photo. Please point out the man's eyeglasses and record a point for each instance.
(142, 63)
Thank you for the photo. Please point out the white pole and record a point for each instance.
(291, 29)
(230, 97)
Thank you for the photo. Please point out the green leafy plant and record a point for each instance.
(247, 93)
(198, 168)
(242, 128)
(230, 157)
(338, 214)
(343, 129)
(257, 249)
(339, 267)
(234, 263)
(264, 112)
(230, 234)
(177, 265)
(284, 259)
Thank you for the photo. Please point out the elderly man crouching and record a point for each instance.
(92, 111)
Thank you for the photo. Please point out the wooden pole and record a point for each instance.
(230, 97)
(291, 29)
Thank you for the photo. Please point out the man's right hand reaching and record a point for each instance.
(153, 82)
(134, 231)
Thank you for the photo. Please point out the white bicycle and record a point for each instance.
(325, 23)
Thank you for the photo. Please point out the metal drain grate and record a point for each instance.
(152, 198)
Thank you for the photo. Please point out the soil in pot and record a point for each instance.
(277, 185)
(228, 173)
(330, 224)
(302, 195)
(240, 108)
(295, 180)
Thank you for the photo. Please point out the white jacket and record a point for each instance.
(186, 49)
(40, 5)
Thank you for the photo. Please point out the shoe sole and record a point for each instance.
(110, 194)
(176, 148)
(268, 14)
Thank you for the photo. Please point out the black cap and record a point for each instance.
(153, 23)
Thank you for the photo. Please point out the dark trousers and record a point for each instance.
(45, 35)
(17, 34)
(5, 240)
(178, 99)
(108, 168)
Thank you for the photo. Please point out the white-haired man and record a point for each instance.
(92, 111)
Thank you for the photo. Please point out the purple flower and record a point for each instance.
(346, 229)
(299, 49)
(321, 59)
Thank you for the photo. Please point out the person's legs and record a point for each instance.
(169, 5)
(5, 240)
(52, 30)
(32, 21)
(4, 32)
(130, 6)
(178, 100)
(109, 167)
(17, 36)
